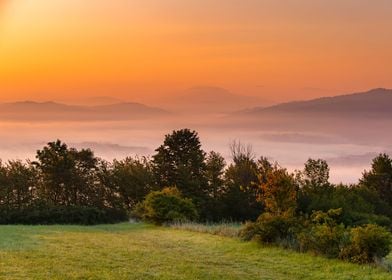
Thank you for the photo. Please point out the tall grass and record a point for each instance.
(226, 229)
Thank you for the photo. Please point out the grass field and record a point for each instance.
(138, 251)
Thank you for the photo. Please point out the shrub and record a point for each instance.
(367, 244)
(166, 206)
(323, 239)
(269, 229)
(323, 235)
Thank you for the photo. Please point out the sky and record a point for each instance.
(145, 49)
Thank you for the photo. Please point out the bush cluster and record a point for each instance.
(270, 229)
(367, 244)
(168, 205)
(322, 235)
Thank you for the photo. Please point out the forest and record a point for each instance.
(299, 210)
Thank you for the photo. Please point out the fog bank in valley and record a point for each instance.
(347, 131)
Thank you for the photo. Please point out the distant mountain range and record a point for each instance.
(52, 111)
(374, 103)
(210, 100)
(205, 101)
(363, 117)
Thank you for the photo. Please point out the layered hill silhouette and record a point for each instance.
(52, 111)
(360, 117)
(359, 107)
(374, 103)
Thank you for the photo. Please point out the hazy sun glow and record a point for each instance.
(276, 49)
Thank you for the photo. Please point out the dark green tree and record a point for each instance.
(359, 205)
(56, 167)
(68, 176)
(180, 162)
(21, 184)
(85, 186)
(215, 170)
(379, 179)
(315, 190)
(240, 197)
(316, 174)
(134, 179)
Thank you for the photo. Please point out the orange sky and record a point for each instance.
(141, 49)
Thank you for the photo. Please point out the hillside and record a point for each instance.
(52, 111)
(138, 251)
(374, 103)
(361, 118)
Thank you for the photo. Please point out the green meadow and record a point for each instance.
(140, 251)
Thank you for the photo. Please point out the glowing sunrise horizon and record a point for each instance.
(142, 50)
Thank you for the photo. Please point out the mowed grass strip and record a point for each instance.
(138, 251)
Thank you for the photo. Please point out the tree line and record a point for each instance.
(66, 185)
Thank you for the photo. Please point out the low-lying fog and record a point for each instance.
(348, 131)
(123, 138)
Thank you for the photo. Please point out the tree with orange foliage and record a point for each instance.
(279, 191)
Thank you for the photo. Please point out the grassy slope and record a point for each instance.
(128, 251)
